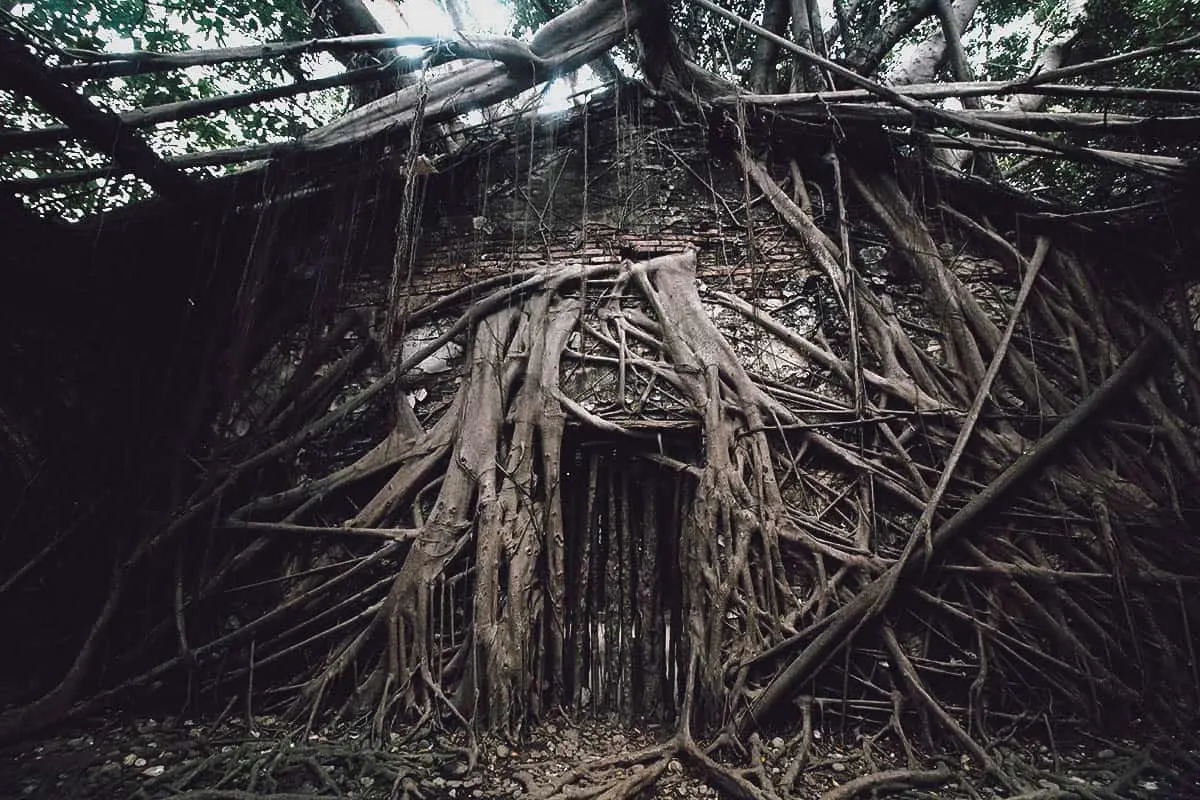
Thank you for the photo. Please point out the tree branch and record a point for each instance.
(24, 74)
(879, 40)
(939, 91)
(921, 61)
(13, 140)
(505, 49)
(565, 43)
(1052, 75)
(892, 779)
(1052, 57)
(1049, 122)
(873, 599)
(926, 111)
(232, 155)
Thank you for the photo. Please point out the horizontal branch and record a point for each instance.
(1164, 163)
(941, 91)
(922, 110)
(13, 140)
(1049, 76)
(391, 534)
(1185, 127)
(21, 71)
(505, 49)
(10, 141)
(210, 158)
(213, 158)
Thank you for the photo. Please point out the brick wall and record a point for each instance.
(620, 178)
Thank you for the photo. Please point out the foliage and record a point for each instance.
(1004, 38)
(1002, 43)
(718, 47)
(1113, 26)
(59, 28)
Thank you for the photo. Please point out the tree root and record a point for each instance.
(888, 781)
(607, 507)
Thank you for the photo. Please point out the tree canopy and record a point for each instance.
(901, 42)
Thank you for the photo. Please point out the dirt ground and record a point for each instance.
(232, 759)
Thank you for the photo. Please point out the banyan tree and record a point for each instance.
(788, 376)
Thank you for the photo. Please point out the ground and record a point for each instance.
(229, 759)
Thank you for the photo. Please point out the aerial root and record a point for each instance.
(606, 776)
(781, 566)
(917, 688)
(889, 781)
(503, 508)
(299, 767)
(625, 776)
(800, 758)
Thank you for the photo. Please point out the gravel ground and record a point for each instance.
(183, 758)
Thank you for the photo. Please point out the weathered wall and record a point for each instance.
(610, 181)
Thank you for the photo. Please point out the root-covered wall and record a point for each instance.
(662, 425)
(623, 176)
